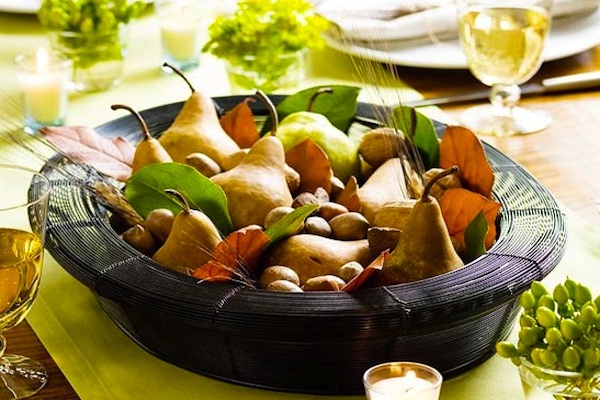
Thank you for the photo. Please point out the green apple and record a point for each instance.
(341, 150)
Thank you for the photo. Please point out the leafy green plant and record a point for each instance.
(90, 17)
(258, 33)
(422, 130)
(145, 190)
(560, 331)
(91, 27)
(289, 224)
(339, 105)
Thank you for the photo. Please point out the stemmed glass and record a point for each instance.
(503, 41)
(23, 214)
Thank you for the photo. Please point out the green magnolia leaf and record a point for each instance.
(475, 237)
(289, 224)
(423, 132)
(145, 190)
(339, 106)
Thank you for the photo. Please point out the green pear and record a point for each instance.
(341, 150)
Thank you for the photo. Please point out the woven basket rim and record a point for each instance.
(136, 279)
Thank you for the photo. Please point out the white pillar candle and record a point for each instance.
(180, 39)
(180, 31)
(409, 387)
(402, 381)
(44, 84)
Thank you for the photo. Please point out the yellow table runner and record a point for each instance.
(103, 363)
(96, 357)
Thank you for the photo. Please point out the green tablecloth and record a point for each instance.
(95, 356)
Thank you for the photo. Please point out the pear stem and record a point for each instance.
(178, 72)
(313, 98)
(180, 199)
(272, 110)
(451, 170)
(138, 116)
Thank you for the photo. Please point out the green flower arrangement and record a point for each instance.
(558, 349)
(259, 35)
(90, 32)
(91, 17)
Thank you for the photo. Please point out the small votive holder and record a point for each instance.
(44, 80)
(98, 58)
(249, 73)
(181, 31)
(402, 381)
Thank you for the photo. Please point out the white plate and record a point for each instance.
(568, 36)
(20, 6)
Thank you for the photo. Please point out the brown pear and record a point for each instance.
(425, 248)
(191, 242)
(148, 150)
(196, 129)
(257, 184)
(387, 184)
(313, 255)
(393, 215)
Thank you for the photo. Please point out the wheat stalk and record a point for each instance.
(32, 150)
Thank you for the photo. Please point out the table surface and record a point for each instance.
(564, 157)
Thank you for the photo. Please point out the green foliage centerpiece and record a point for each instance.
(558, 351)
(92, 33)
(264, 42)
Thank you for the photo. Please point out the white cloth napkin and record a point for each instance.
(387, 20)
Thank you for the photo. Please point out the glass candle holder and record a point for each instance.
(98, 58)
(44, 82)
(402, 381)
(547, 384)
(249, 73)
(183, 27)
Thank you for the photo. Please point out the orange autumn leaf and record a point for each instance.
(361, 279)
(310, 161)
(236, 255)
(349, 196)
(213, 271)
(461, 147)
(461, 206)
(239, 123)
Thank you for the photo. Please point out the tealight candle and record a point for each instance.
(402, 381)
(44, 83)
(180, 28)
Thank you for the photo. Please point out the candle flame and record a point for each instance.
(410, 374)
(42, 60)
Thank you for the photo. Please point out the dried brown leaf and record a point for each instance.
(239, 123)
(461, 147)
(364, 277)
(310, 161)
(110, 156)
(349, 196)
(460, 206)
(236, 255)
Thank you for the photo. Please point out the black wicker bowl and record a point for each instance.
(318, 342)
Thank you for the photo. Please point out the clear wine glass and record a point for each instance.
(23, 214)
(503, 41)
